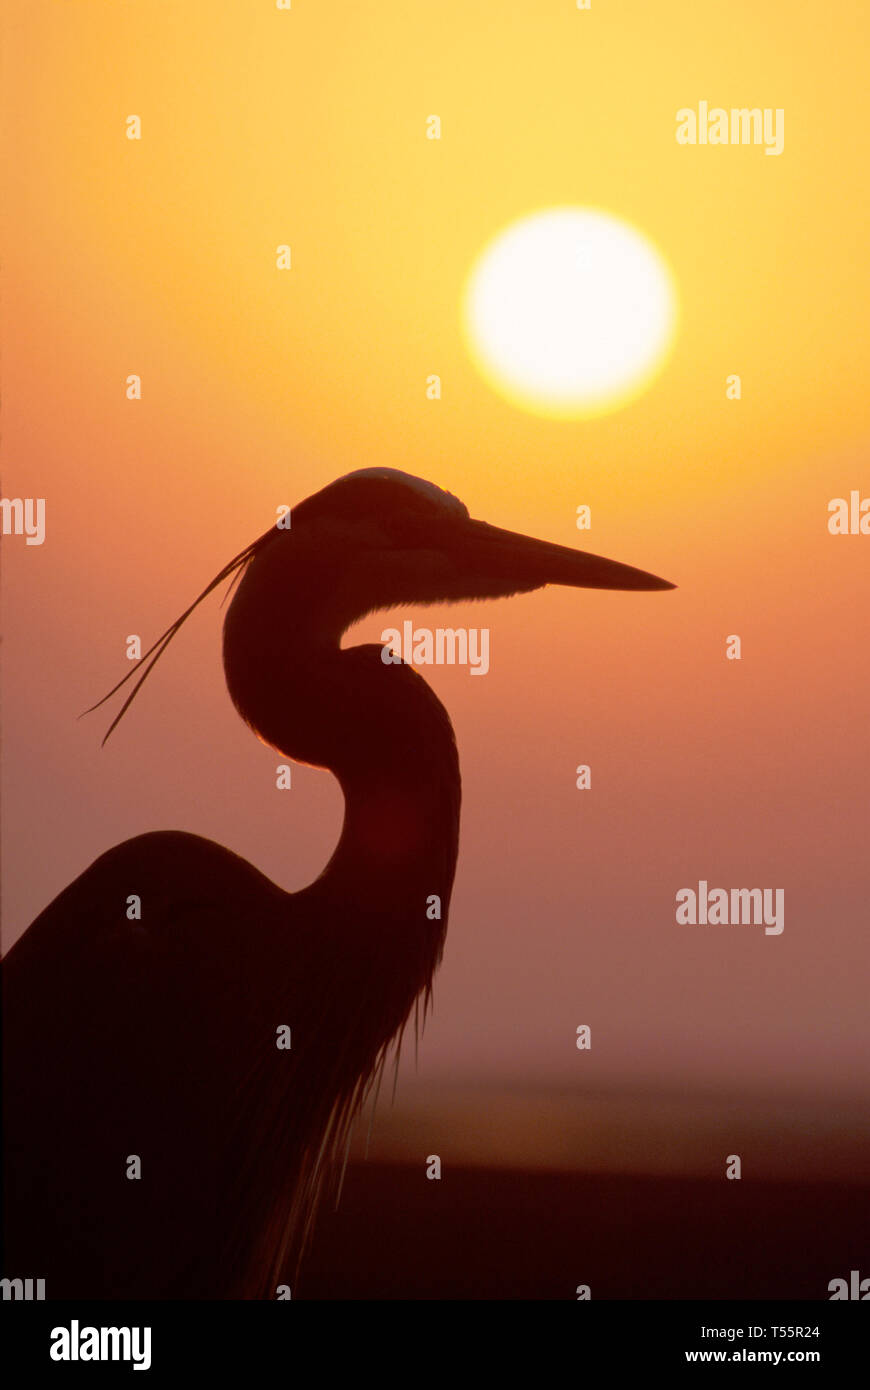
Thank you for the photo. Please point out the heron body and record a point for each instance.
(160, 1143)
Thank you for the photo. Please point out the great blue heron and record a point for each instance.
(156, 1039)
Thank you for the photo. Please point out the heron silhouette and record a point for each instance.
(153, 1042)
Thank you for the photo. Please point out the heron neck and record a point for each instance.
(397, 764)
(377, 726)
(386, 890)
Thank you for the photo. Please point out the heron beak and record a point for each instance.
(514, 562)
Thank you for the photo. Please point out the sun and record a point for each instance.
(570, 312)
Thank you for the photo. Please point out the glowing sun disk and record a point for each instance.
(570, 312)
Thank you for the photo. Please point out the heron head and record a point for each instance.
(379, 538)
(399, 539)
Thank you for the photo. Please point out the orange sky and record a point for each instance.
(157, 257)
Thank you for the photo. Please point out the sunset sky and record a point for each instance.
(157, 257)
